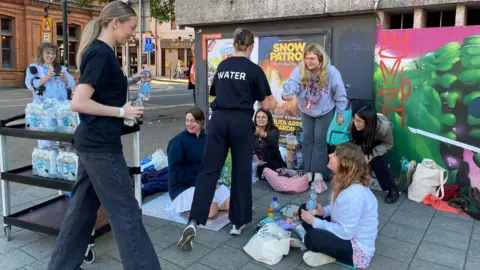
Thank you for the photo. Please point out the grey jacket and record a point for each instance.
(385, 135)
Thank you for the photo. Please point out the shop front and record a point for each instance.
(175, 54)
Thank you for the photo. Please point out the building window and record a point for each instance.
(6, 58)
(145, 58)
(173, 23)
(441, 18)
(73, 42)
(189, 57)
(473, 17)
(181, 57)
(401, 21)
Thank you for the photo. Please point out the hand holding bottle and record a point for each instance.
(131, 112)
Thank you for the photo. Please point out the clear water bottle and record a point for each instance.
(254, 169)
(276, 208)
(311, 207)
(137, 102)
(312, 194)
(145, 87)
(34, 161)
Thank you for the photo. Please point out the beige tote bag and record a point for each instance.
(426, 179)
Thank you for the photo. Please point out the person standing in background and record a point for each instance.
(320, 91)
(191, 74)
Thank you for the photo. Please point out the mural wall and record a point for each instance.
(427, 82)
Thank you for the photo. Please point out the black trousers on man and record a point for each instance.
(227, 129)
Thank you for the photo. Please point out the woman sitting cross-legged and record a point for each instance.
(346, 229)
(185, 153)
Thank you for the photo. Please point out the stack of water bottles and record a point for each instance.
(51, 115)
(143, 94)
(56, 161)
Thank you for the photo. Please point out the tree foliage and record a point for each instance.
(162, 10)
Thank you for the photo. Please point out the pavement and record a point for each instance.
(170, 80)
(411, 235)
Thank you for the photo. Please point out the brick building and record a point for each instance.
(21, 22)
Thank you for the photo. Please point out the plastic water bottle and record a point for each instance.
(28, 115)
(311, 207)
(137, 102)
(60, 162)
(312, 194)
(70, 167)
(154, 162)
(276, 209)
(51, 163)
(254, 169)
(34, 161)
(145, 87)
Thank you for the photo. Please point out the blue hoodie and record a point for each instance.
(334, 95)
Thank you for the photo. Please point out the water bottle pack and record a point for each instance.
(51, 162)
(51, 115)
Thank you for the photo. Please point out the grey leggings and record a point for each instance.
(315, 151)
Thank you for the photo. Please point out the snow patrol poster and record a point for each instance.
(279, 56)
(217, 51)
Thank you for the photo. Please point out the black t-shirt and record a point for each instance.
(100, 69)
(237, 84)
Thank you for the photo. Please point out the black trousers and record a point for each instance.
(325, 242)
(226, 130)
(382, 172)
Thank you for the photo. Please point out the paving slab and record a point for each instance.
(438, 254)
(226, 258)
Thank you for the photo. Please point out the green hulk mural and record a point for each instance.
(434, 103)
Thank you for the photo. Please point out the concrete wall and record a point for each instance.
(204, 12)
(351, 45)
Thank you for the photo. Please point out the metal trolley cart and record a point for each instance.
(47, 217)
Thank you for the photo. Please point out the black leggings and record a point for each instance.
(325, 242)
(382, 172)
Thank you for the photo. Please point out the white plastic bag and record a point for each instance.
(269, 244)
(427, 177)
(156, 161)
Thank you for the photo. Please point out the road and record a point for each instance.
(164, 95)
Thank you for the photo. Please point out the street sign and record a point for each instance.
(148, 45)
(47, 35)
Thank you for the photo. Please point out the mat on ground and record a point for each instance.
(159, 208)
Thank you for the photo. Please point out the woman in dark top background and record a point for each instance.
(374, 133)
(267, 136)
(185, 152)
(237, 84)
(103, 176)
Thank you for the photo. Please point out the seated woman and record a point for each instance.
(266, 146)
(375, 136)
(185, 152)
(346, 229)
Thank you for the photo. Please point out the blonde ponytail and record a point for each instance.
(114, 10)
(90, 33)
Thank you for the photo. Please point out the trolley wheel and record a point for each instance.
(90, 258)
(8, 232)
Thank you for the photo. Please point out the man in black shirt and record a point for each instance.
(237, 84)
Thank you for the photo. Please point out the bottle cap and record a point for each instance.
(274, 198)
(295, 214)
(270, 209)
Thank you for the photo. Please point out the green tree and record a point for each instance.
(162, 10)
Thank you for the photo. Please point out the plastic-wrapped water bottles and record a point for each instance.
(44, 162)
(67, 164)
(156, 161)
(66, 119)
(34, 161)
(49, 115)
(33, 116)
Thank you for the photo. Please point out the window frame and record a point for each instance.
(71, 39)
(10, 34)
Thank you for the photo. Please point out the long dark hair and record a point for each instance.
(270, 125)
(366, 137)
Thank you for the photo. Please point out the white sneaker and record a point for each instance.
(186, 242)
(235, 231)
(318, 176)
(297, 243)
(310, 177)
(315, 259)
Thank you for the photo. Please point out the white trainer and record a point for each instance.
(235, 231)
(315, 259)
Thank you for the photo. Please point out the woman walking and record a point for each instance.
(103, 176)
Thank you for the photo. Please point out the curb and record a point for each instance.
(170, 81)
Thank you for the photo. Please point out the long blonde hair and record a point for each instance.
(352, 168)
(322, 72)
(116, 9)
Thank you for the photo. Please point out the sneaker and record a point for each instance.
(188, 235)
(297, 243)
(318, 176)
(235, 231)
(392, 196)
(310, 177)
(315, 259)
